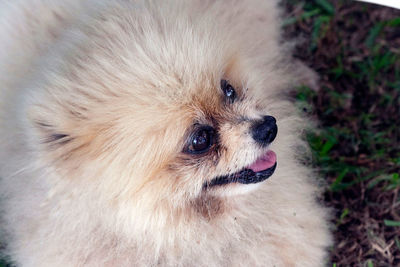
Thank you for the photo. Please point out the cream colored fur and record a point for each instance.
(97, 98)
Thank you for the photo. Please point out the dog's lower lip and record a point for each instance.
(245, 176)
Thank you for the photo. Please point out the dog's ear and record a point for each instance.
(60, 135)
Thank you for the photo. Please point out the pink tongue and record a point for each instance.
(266, 161)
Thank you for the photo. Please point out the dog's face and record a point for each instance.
(224, 147)
(157, 120)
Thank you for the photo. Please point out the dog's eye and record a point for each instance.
(201, 140)
(228, 90)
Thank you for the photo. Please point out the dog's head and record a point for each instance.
(146, 111)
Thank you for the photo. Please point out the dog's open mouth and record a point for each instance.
(257, 172)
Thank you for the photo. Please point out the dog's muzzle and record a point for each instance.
(257, 172)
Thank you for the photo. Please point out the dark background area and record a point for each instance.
(355, 49)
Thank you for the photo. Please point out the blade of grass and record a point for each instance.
(305, 15)
(373, 34)
(397, 241)
(345, 212)
(391, 223)
(336, 184)
(325, 5)
(394, 22)
(319, 30)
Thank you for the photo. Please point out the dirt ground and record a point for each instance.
(355, 49)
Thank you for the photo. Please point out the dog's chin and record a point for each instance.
(250, 176)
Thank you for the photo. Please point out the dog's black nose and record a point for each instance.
(264, 131)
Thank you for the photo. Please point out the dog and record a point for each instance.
(153, 133)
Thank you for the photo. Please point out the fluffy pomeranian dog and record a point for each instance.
(145, 133)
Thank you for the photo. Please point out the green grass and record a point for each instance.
(371, 71)
(357, 146)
